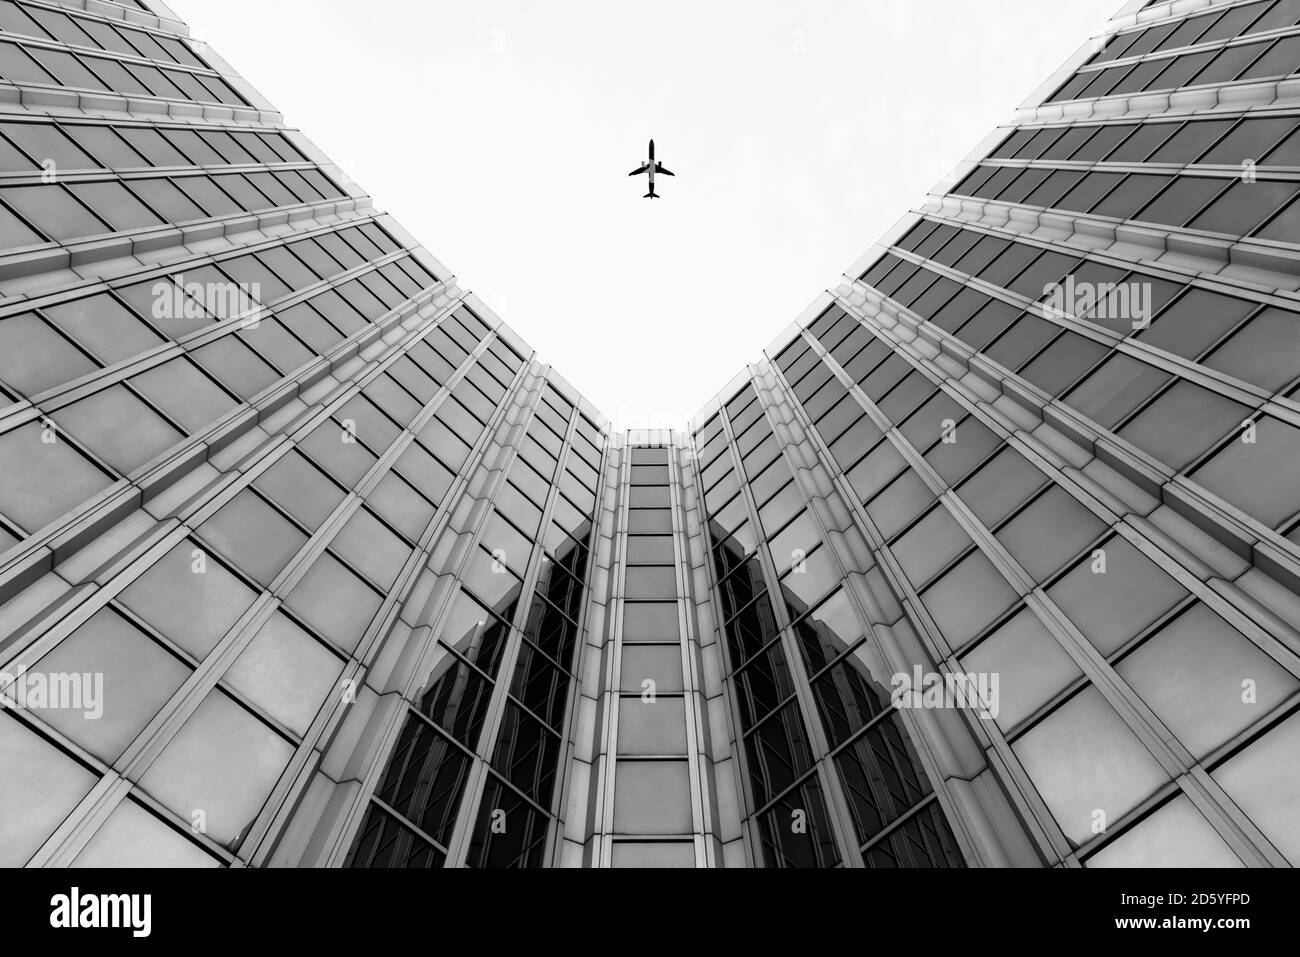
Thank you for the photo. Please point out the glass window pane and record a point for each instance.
(506, 544)
(1050, 532)
(1031, 666)
(14, 234)
(475, 633)
(1062, 363)
(930, 545)
(34, 358)
(1244, 206)
(195, 147)
(1191, 140)
(35, 802)
(206, 195)
(14, 19)
(628, 854)
(651, 581)
(180, 315)
(1261, 478)
(104, 326)
(811, 578)
(652, 797)
(899, 504)
(650, 621)
(1183, 423)
(232, 364)
(647, 729)
(1131, 195)
(812, 845)
(39, 481)
(521, 844)
(650, 521)
(968, 598)
(1114, 390)
(17, 67)
(829, 631)
(882, 777)
(119, 428)
(151, 144)
(1001, 487)
(1196, 321)
(1182, 200)
(1264, 780)
(649, 496)
(797, 541)
(346, 461)
(133, 837)
(190, 598)
(972, 443)
(1193, 674)
(876, 470)
(70, 70)
(252, 534)
(371, 548)
(1083, 760)
(763, 684)
(661, 664)
(649, 549)
(1265, 352)
(784, 506)
(138, 676)
(166, 200)
(53, 211)
(1248, 141)
(301, 489)
(1177, 835)
(492, 583)
(45, 141)
(402, 506)
(526, 753)
(286, 672)
(118, 77)
(223, 762)
(116, 205)
(1112, 601)
(188, 397)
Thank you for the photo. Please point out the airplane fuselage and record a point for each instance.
(650, 168)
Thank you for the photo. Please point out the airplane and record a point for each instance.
(652, 167)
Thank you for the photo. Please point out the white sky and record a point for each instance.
(500, 134)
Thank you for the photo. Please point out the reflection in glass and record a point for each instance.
(796, 831)
(520, 843)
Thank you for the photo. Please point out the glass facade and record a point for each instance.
(992, 559)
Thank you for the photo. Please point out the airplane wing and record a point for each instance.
(638, 172)
(660, 168)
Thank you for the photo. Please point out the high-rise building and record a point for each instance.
(992, 559)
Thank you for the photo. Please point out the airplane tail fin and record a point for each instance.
(651, 195)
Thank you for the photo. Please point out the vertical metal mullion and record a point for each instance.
(461, 836)
(700, 818)
(818, 740)
(608, 750)
(554, 833)
(937, 781)
(458, 844)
